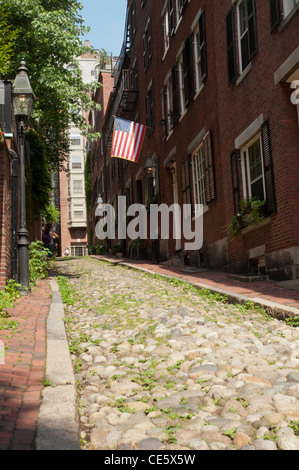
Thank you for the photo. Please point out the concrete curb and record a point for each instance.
(274, 309)
(58, 423)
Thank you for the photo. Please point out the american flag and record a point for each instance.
(127, 139)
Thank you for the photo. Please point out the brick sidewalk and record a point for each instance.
(22, 373)
(268, 291)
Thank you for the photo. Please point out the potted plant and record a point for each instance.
(250, 214)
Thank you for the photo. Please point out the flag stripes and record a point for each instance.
(127, 139)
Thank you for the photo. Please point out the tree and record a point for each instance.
(47, 35)
(7, 39)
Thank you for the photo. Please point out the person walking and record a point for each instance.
(48, 239)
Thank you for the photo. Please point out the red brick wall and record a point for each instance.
(5, 215)
(227, 111)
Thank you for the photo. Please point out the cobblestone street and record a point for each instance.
(161, 365)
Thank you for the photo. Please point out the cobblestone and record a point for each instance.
(160, 365)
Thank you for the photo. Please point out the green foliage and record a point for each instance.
(8, 36)
(8, 296)
(39, 263)
(101, 249)
(47, 34)
(67, 293)
(249, 215)
(39, 174)
(293, 321)
(51, 214)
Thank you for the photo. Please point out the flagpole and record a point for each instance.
(148, 127)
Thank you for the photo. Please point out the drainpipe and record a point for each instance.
(14, 215)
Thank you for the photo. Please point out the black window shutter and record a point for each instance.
(271, 206)
(186, 181)
(274, 14)
(189, 70)
(203, 46)
(252, 28)
(164, 109)
(175, 92)
(235, 168)
(210, 186)
(231, 46)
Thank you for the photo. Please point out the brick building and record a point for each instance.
(215, 82)
(74, 218)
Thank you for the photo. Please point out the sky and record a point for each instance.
(106, 19)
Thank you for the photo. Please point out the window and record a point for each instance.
(247, 34)
(150, 109)
(76, 162)
(170, 103)
(186, 186)
(132, 21)
(96, 72)
(204, 188)
(165, 31)
(77, 186)
(75, 139)
(198, 176)
(246, 42)
(181, 71)
(78, 210)
(147, 45)
(176, 8)
(134, 76)
(288, 6)
(200, 52)
(253, 173)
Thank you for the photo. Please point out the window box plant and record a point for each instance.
(250, 214)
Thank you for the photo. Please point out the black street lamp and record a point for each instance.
(23, 99)
(151, 169)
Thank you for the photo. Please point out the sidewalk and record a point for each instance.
(37, 349)
(22, 373)
(273, 296)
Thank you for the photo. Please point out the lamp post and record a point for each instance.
(23, 99)
(150, 170)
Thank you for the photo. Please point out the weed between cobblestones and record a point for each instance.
(99, 308)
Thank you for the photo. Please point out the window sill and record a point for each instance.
(183, 115)
(244, 74)
(165, 54)
(199, 91)
(289, 17)
(169, 135)
(205, 210)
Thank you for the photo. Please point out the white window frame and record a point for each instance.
(197, 58)
(166, 30)
(76, 138)
(73, 157)
(78, 214)
(79, 189)
(198, 174)
(245, 167)
(288, 6)
(241, 35)
(182, 84)
(169, 104)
